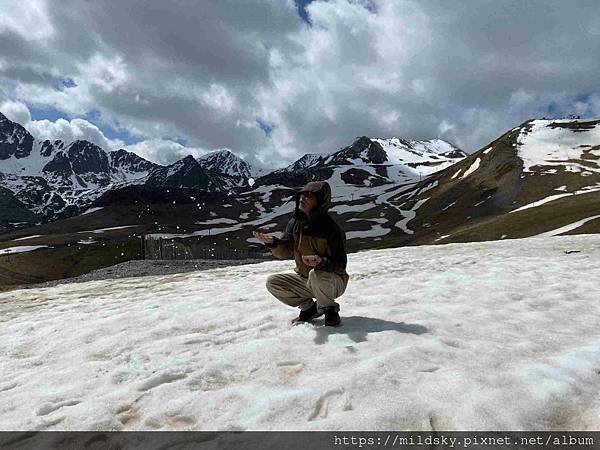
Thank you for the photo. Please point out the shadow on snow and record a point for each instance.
(358, 328)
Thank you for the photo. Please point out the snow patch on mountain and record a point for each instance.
(408, 215)
(560, 143)
(375, 231)
(472, 168)
(550, 198)
(21, 249)
(400, 151)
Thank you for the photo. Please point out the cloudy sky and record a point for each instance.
(274, 79)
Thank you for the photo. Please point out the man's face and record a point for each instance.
(308, 202)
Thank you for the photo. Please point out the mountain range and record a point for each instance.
(49, 180)
(539, 178)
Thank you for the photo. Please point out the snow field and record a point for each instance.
(544, 146)
(492, 335)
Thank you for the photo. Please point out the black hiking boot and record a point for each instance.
(332, 318)
(308, 314)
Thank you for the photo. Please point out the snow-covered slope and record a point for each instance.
(435, 151)
(370, 162)
(418, 157)
(546, 146)
(505, 338)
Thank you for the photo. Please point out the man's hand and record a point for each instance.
(311, 260)
(262, 237)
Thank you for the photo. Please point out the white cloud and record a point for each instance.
(380, 68)
(62, 129)
(444, 127)
(520, 97)
(218, 98)
(106, 73)
(163, 151)
(15, 111)
(588, 107)
(30, 19)
(97, 76)
(72, 130)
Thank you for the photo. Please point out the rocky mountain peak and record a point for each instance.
(87, 158)
(226, 162)
(228, 165)
(362, 151)
(306, 161)
(14, 139)
(129, 161)
(188, 161)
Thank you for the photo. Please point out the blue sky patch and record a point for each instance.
(94, 116)
(583, 97)
(46, 112)
(552, 109)
(180, 141)
(301, 5)
(121, 134)
(60, 84)
(266, 127)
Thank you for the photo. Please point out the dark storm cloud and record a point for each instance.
(212, 72)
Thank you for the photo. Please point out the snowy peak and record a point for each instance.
(80, 158)
(122, 160)
(55, 179)
(226, 163)
(365, 150)
(369, 162)
(395, 151)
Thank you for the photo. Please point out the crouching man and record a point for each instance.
(318, 246)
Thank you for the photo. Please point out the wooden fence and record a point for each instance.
(158, 247)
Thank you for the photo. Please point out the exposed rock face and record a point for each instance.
(14, 140)
(121, 161)
(86, 157)
(185, 173)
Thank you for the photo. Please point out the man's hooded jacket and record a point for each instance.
(316, 234)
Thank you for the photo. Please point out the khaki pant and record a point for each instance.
(295, 290)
